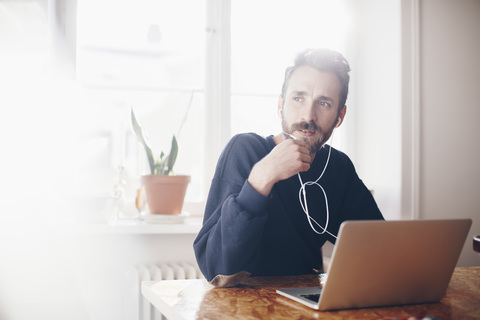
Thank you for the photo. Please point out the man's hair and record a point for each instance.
(324, 60)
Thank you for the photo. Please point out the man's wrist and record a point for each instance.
(260, 180)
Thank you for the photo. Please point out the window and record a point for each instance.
(147, 56)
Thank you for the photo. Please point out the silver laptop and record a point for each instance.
(384, 263)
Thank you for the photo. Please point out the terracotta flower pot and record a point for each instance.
(165, 194)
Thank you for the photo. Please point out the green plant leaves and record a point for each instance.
(164, 164)
(172, 157)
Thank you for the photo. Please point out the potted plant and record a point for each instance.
(165, 191)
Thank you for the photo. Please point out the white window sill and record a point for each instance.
(190, 226)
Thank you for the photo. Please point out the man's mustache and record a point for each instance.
(310, 126)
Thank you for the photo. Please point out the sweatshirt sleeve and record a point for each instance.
(235, 214)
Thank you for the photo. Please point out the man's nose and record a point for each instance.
(309, 112)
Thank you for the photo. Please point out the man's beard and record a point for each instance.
(314, 146)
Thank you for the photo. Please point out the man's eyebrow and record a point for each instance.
(325, 98)
(305, 93)
(300, 93)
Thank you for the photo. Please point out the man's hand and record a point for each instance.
(285, 160)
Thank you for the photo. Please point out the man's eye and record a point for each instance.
(297, 99)
(323, 104)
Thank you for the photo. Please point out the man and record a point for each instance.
(275, 201)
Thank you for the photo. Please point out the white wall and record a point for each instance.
(53, 272)
(375, 103)
(416, 145)
(449, 113)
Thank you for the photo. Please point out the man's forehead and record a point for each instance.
(306, 80)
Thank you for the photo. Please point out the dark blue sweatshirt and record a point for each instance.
(244, 230)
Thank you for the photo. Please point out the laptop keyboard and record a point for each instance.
(313, 297)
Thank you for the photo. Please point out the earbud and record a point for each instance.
(339, 121)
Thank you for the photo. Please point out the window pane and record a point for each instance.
(146, 55)
(141, 43)
(255, 114)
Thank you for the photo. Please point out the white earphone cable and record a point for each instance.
(302, 197)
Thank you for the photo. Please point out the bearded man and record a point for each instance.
(275, 201)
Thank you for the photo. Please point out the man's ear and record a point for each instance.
(341, 115)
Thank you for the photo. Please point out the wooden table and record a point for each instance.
(256, 299)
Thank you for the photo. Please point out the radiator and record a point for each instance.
(139, 307)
